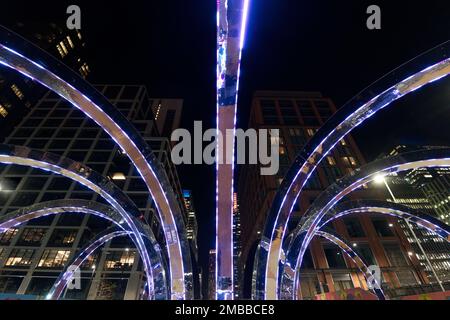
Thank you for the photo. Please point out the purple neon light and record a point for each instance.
(399, 95)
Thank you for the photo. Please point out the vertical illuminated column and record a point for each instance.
(231, 23)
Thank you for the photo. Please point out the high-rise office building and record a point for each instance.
(425, 190)
(19, 94)
(32, 256)
(378, 239)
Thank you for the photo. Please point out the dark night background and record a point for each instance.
(317, 45)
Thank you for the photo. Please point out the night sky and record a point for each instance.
(304, 45)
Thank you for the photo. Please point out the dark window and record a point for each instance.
(66, 133)
(99, 156)
(24, 199)
(37, 144)
(49, 196)
(34, 183)
(70, 219)
(31, 237)
(129, 92)
(7, 236)
(104, 145)
(382, 227)
(31, 123)
(354, 228)
(395, 255)
(168, 123)
(9, 184)
(24, 133)
(82, 144)
(88, 133)
(59, 144)
(60, 184)
(366, 254)
(334, 258)
(17, 170)
(40, 286)
(75, 123)
(62, 238)
(44, 221)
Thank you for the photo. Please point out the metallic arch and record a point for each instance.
(328, 199)
(42, 209)
(70, 86)
(344, 246)
(417, 73)
(10, 154)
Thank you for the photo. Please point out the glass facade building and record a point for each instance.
(32, 256)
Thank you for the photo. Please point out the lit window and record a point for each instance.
(310, 132)
(54, 258)
(63, 47)
(70, 42)
(17, 92)
(331, 161)
(118, 176)
(20, 258)
(3, 111)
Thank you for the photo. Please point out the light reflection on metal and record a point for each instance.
(76, 171)
(231, 25)
(326, 201)
(354, 113)
(16, 218)
(391, 209)
(70, 86)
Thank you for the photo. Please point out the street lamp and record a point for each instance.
(381, 179)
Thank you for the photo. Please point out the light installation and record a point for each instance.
(69, 85)
(231, 25)
(75, 206)
(67, 275)
(390, 209)
(109, 191)
(326, 201)
(353, 114)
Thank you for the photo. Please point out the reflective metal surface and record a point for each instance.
(410, 77)
(45, 69)
(326, 201)
(231, 23)
(99, 240)
(289, 276)
(94, 181)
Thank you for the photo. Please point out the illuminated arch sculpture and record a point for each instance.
(109, 191)
(311, 221)
(45, 69)
(231, 24)
(391, 209)
(42, 209)
(344, 246)
(417, 73)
